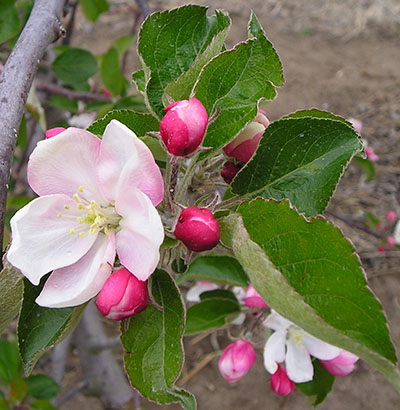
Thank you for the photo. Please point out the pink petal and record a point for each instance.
(41, 238)
(141, 233)
(123, 156)
(61, 165)
(78, 283)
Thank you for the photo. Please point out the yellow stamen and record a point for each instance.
(77, 198)
(82, 233)
(81, 207)
(66, 207)
(80, 189)
(72, 231)
(59, 215)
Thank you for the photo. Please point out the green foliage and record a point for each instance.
(40, 328)
(224, 270)
(111, 72)
(367, 166)
(309, 273)
(301, 159)
(64, 103)
(9, 21)
(169, 44)
(139, 79)
(93, 8)
(75, 66)
(41, 386)
(153, 345)
(10, 363)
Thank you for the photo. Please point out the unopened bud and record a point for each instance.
(245, 144)
(236, 360)
(391, 216)
(183, 126)
(280, 382)
(229, 171)
(253, 299)
(390, 241)
(357, 124)
(381, 249)
(370, 153)
(341, 365)
(197, 229)
(52, 132)
(122, 296)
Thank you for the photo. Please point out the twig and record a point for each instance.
(42, 28)
(70, 26)
(354, 225)
(106, 344)
(74, 95)
(207, 359)
(58, 359)
(144, 8)
(70, 393)
(137, 400)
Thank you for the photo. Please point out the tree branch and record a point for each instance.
(42, 28)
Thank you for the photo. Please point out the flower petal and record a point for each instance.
(62, 164)
(298, 362)
(319, 349)
(42, 240)
(78, 283)
(274, 351)
(141, 233)
(275, 321)
(123, 156)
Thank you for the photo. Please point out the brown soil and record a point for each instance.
(343, 57)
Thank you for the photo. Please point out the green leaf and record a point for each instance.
(22, 140)
(139, 79)
(219, 293)
(123, 44)
(111, 72)
(17, 389)
(4, 405)
(153, 345)
(320, 386)
(75, 66)
(235, 82)
(42, 405)
(10, 363)
(11, 290)
(40, 328)
(301, 159)
(64, 103)
(366, 166)
(41, 386)
(210, 313)
(315, 113)
(93, 8)
(9, 21)
(2, 396)
(169, 44)
(221, 269)
(310, 274)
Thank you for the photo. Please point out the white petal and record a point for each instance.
(239, 320)
(41, 240)
(298, 362)
(78, 283)
(62, 164)
(123, 156)
(275, 321)
(141, 234)
(274, 351)
(193, 294)
(319, 349)
(396, 234)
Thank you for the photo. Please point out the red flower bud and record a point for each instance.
(236, 360)
(253, 299)
(229, 171)
(197, 229)
(52, 132)
(390, 241)
(245, 144)
(280, 382)
(123, 295)
(341, 365)
(183, 126)
(391, 216)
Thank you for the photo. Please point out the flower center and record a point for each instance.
(295, 334)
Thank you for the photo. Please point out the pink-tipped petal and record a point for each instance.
(124, 157)
(319, 349)
(42, 240)
(52, 132)
(80, 282)
(61, 165)
(253, 299)
(280, 382)
(274, 351)
(341, 365)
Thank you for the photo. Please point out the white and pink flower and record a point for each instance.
(341, 365)
(97, 199)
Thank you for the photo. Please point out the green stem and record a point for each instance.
(231, 202)
(187, 178)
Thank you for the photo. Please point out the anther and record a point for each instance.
(80, 189)
(59, 215)
(72, 231)
(66, 207)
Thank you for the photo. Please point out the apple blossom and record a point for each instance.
(97, 198)
(253, 299)
(370, 153)
(391, 216)
(122, 296)
(52, 132)
(197, 229)
(183, 126)
(292, 345)
(381, 249)
(193, 294)
(390, 241)
(236, 360)
(357, 124)
(341, 365)
(245, 144)
(280, 382)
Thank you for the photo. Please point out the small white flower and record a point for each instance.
(292, 345)
(396, 234)
(193, 294)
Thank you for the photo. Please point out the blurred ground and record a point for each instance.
(342, 56)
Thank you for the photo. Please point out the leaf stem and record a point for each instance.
(187, 178)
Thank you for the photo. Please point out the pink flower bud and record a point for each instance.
(183, 126)
(229, 171)
(253, 299)
(236, 360)
(245, 144)
(197, 229)
(341, 365)
(357, 124)
(390, 241)
(123, 295)
(391, 216)
(381, 249)
(280, 382)
(106, 92)
(52, 132)
(371, 154)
